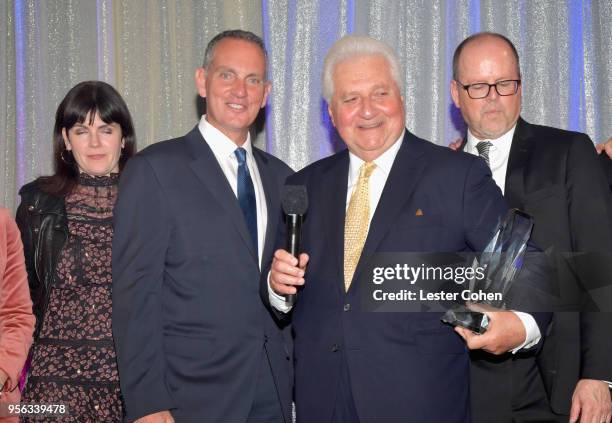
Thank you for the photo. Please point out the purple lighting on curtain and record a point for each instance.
(266, 38)
(454, 125)
(474, 17)
(329, 35)
(105, 40)
(20, 100)
(350, 16)
(576, 70)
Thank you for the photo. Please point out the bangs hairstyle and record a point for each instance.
(86, 99)
(351, 46)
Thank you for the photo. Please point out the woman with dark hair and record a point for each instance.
(67, 229)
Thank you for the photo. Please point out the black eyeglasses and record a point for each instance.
(482, 89)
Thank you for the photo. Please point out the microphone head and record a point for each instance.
(295, 199)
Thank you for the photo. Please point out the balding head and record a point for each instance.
(479, 38)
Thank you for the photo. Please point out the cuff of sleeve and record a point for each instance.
(532, 331)
(8, 384)
(278, 301)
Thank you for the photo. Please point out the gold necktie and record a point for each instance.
(357, 222)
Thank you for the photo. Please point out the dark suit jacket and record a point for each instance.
(189, 325)
(554, 175)
(402, 366)
(606, 162)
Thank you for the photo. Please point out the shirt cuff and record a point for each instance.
(278, 301)
(532, 331)
(8, 384)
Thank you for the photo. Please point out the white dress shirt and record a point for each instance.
(499, 153)
(379, 175)
(223, 148)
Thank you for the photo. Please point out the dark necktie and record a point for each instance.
(246, 195)
(483, 150)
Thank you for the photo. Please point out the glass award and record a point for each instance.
(501, 260)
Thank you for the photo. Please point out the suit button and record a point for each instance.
(36, 230)
(347, 307)
(335, 347)
(31, 208)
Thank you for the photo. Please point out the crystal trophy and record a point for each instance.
(502, 259)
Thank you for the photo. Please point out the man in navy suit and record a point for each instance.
(406, 195)
(195, 218)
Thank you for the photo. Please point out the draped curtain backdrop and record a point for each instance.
(149, 50)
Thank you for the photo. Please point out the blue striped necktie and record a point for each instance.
(246, 195)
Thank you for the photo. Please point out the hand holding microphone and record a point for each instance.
(287, 272)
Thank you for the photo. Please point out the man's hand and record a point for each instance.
(160, 417)
(591, 402)
(455, 144)
(504, 333)
(607, 146)
(286, 273)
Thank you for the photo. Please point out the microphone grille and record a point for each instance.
(295, 199)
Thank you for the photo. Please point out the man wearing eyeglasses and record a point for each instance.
(553, 175)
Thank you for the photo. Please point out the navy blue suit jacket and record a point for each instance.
(402, 366)
(189, 324)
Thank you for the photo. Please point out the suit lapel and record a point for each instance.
(208, 171)
(404, 177)
(270, 187)
(520, 151)
(333, 204)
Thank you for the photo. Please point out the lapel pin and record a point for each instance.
(419, 212)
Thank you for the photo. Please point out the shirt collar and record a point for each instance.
(219, 143)
(383, 163)
(499, 145)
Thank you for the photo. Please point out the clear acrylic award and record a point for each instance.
(502, 260)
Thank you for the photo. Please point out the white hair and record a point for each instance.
(351, 46)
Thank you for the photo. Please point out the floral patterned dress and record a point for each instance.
(73, 361)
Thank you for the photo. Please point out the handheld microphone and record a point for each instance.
(295, 204)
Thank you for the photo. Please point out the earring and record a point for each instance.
(64, 159)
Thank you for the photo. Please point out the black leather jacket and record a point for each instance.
(41, 218)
